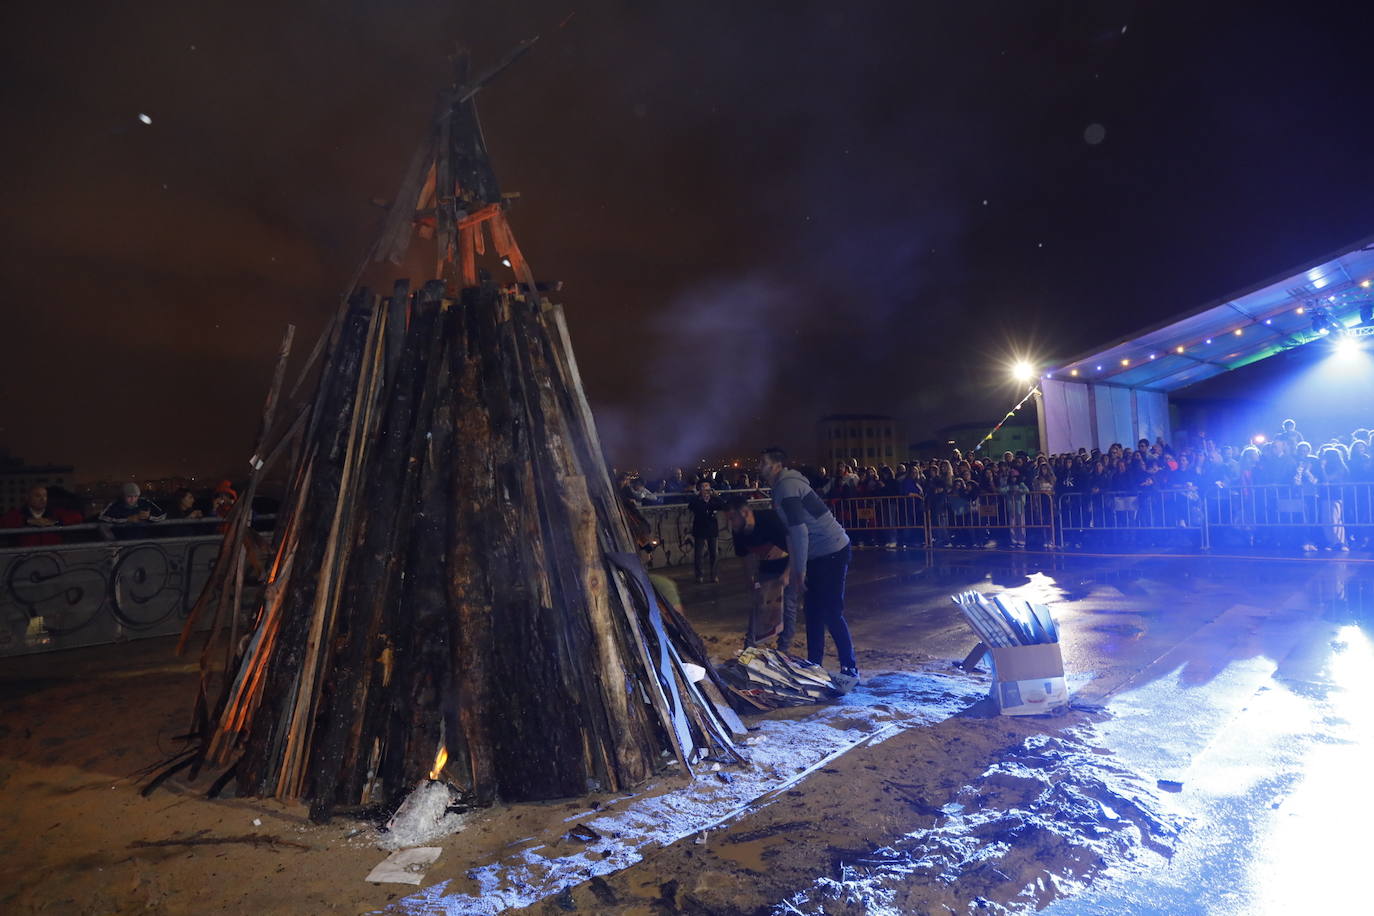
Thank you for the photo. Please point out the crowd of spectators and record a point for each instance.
(132, 515)
(677, 486)
(1018, 499)
(1283, 480)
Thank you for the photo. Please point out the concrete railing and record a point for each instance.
(68, 595)
(671, 525)
(101, 586)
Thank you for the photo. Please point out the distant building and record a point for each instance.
(926, 448)
(1012, 437)
(17, 478)
(868, 438)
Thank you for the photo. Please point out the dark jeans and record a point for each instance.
(825, 607)
(704, 544)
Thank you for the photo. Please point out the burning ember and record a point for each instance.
(440, 759)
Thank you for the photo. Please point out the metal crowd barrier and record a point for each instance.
(1322, 515)
(1318, 515)
(1112, 519)
(880, 513)
(944, 519)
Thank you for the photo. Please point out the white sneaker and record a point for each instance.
(844, 681)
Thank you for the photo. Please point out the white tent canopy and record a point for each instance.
(1120, 392)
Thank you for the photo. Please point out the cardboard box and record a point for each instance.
(1028, 680)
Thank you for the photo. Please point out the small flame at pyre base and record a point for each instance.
(440, 761)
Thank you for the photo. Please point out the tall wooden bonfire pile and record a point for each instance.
(453, 575)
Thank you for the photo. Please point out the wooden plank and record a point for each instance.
(445, 187)
(662, 664)
(424, 704)
(234, 535)
(397, 314)
(626, 742)
(325, 434)
(723, 708)
(390, 484)
(323, 444)
(426, 200)
(400, 217)
(467, 257)
(570, 382)
(473, 220)
(302, 719)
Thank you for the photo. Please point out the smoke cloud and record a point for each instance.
(716, 351)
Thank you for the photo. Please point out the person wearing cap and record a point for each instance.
(222, 503)
(131, 512)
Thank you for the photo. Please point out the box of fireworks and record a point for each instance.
(1028, 680)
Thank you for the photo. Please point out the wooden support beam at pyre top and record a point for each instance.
(453, 575)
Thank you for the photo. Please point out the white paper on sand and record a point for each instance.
(404, 866)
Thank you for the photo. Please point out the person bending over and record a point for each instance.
(761, 538)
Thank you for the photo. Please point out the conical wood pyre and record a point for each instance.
(453, 570)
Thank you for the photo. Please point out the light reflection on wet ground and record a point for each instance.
(1248, 683)
(1260, 702)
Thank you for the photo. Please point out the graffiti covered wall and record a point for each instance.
(66, 596)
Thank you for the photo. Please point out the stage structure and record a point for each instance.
(1120, 392)
(455, 593)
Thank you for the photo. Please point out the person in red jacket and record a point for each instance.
(223, 502)
(36, 514)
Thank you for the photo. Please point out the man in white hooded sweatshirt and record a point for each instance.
(818, 549)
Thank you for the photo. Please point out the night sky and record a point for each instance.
(762, 212)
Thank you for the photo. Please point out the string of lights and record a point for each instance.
(1010, 413)
(1319, 310)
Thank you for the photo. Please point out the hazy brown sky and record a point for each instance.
(763, 212)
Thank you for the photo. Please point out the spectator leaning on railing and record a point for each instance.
(40, 518)
(131, 513)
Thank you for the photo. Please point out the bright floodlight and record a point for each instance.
(1023, 371)
(1346, 347)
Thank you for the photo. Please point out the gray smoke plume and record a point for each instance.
(716, 349)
